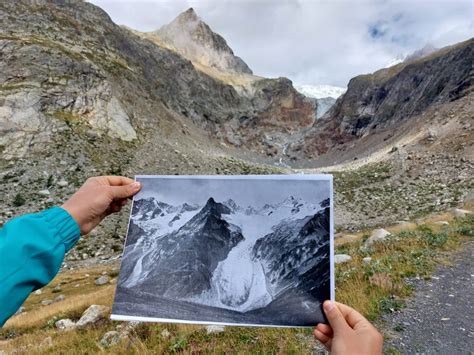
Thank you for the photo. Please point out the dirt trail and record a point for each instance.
(439, 319)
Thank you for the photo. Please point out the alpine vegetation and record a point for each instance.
(233, 250)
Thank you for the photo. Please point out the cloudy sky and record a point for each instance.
(313, 41)
(244, 191)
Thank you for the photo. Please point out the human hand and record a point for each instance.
(349, 332)
(99, 197)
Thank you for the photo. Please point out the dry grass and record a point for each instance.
(408, 253)
(74, 304)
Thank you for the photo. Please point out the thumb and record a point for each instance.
(125, 191)
(336, 319)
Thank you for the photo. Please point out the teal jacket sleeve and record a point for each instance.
(32, 249)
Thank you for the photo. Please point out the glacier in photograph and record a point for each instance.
(238, 263)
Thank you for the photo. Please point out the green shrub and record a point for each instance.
(390, 304)
(437, 239)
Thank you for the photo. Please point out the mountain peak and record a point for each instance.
(210, 201)
(190, 36)
(215, 208)
(187, 16)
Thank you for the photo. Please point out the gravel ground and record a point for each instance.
(439, 319)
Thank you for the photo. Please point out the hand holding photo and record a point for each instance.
(241, 250)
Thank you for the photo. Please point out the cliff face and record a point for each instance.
(391, 96)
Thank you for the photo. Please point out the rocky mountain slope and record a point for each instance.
(389, 97)
(275, 110)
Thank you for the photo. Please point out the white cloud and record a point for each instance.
(313, 41)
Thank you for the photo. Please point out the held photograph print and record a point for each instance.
(233, 250)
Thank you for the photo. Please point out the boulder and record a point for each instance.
(38, 292)
(214, 328)
(46, 302)
(44, 193)
(65, 324)
(110, 338)
(342, 258)
(378, 235)
(442, 223)
(92, 316)
(102, 280)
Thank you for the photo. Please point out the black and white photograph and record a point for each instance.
(234, 250)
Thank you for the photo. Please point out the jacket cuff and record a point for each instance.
(67, 228)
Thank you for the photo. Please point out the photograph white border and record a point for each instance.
(328, 177)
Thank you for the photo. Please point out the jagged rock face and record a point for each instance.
(183, 265)
(192, 37)
(301, 245)
(280, 112)
(389, 96)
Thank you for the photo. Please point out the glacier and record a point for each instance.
(239, 282)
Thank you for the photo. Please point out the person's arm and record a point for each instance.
(348, 331)
(32, 247)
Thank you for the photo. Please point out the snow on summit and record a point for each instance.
(320, 91)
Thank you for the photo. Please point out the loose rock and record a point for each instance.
(93, 315)
(102, 280)
(63, 183)
(110, 338)
(60, 298)
(210, 329)
(378, 235)
(46, 302)
(44, 193)
(367, 260)
(65, 324)
(342, 258)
